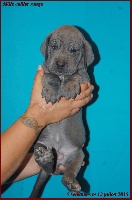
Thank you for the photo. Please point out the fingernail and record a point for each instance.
(40, 70)
(39, 67)
(88, 84)
(91, 96)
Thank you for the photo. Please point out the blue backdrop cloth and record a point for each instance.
(23, 30)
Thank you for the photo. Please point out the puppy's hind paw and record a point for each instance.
(44, 157)
(71, 183)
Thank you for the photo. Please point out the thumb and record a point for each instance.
(40, 72)
(37, 86)
(38, 77)
(40, 69)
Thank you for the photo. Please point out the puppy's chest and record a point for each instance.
(61, 77)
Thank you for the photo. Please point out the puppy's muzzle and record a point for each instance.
(60, 66)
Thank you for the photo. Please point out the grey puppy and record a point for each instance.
(67, 55)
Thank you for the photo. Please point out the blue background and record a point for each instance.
(23, 31)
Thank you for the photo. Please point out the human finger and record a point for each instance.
(37, 86)
(82, 102)
(38, 76)
(84, 86)
(83, 163)
(85, 93)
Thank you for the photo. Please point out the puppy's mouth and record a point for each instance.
(62, 70)
(65, 72)
(59, 70)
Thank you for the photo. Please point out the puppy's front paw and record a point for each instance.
(70, 89)
(50, 94)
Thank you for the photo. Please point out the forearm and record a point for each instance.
(15, 144)
(28, 168)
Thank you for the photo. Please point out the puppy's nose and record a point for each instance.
(60, 64)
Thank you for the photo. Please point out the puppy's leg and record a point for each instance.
(51, 86)
(44, 157)
(39, 182)
(70, 89)
(72, 168)
(71, 85)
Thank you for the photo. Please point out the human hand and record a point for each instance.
(46, 113)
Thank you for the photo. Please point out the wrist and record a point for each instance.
(31, 123)
(36, 112)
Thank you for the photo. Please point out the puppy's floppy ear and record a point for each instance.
(44, 46)
(88, 54)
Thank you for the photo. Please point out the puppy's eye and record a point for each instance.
(55, 47)
(73, 50)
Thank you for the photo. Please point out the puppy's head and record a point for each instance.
(66, 51)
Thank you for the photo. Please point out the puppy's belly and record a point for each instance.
(66, 134)
(60, 142)
(64, 137)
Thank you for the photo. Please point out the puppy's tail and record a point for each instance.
(39, 182)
